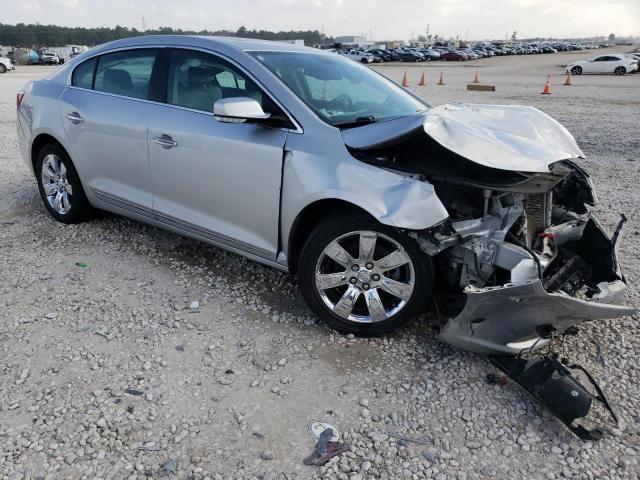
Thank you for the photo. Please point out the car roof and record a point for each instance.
(235, 43)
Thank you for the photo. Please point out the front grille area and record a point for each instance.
(537, 206)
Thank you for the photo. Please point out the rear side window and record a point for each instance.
(83, 74)
(125, 73)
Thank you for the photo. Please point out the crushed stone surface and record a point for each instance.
(130, 352)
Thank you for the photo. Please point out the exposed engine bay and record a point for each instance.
(520, 247)
(520, 252)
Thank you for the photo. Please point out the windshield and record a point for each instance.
(340, 91)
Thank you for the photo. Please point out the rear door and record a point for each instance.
(105, 116)
(220, 181)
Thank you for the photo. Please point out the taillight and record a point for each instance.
(19, 97)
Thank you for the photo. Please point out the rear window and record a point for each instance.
(125, 73)
(83, 74)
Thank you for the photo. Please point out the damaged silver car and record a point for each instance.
(316, 165)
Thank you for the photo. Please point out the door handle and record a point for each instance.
(165, 141)
(74, 117)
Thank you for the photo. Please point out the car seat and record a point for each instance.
(200, 93)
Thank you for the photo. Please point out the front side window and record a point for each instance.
(83, 74)
(125, 73)
(340, 91)
(197, 80)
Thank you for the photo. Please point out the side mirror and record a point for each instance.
(238, 110)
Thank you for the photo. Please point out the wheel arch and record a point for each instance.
(40, 141)
(307, 220)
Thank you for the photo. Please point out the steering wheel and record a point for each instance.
(341, 103)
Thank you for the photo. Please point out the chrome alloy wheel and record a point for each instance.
(55, 183)
(364, 277)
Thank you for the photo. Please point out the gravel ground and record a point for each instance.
(165, 354)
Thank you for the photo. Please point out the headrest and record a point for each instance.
(199, 77)
(118, 78)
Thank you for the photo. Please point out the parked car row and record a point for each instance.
(46, 58)
(462, 53)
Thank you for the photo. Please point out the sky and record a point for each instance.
(375, 19)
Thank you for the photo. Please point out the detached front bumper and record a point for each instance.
(520, 317)
(515, 318)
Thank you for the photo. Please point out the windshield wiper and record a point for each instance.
(357, 122)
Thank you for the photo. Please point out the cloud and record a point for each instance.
(180, 11)
(41, 8)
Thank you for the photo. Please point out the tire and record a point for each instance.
(620, 71)
(576, 71)
(372, 282)
(60, 186)
(3, 69)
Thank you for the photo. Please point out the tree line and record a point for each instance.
(34, 36)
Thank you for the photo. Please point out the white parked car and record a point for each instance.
(50, 58)
(610, 63)
(358, 56)
(635, 57)
(6, 64)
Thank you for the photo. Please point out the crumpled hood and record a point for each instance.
(506, 137)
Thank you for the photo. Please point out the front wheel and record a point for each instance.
(576, 71)
(362, 277)
(620, 71)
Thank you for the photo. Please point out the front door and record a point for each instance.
(218, 180)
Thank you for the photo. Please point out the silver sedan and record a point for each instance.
(316, 165)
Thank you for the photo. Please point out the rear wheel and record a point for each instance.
(60, 186)
(620, 71)
(576, 71)
(362, 277)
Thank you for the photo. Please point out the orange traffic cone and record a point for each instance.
(405, 82)
(476, 79)
(547, 86)
(568, 80)
(423, 80)
(441, 81)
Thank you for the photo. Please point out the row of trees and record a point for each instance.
(23, 35)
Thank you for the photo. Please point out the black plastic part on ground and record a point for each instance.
(556, 388)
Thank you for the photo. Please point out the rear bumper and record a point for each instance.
(23, 138)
